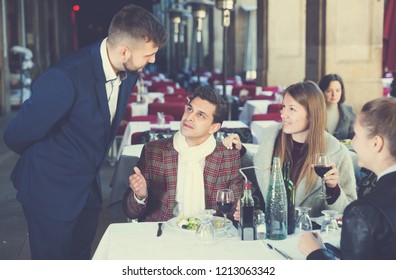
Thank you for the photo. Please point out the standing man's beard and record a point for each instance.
(126, 69)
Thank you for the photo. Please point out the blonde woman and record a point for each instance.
(298, 139)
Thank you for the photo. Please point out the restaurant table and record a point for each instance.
(252, 107)
(134, 127)
(139, 241)
(258, 130)
(141, 108)
(155, 95)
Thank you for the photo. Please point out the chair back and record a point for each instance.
(151, 118)
(125, 119)
(175, 98)
(274, 108)
(264, 97)
(267, 117)
(245, 134)
(176, 109)
(244, 92)
(144, 137)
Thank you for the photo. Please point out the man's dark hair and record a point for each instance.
(137, 23)
(210, 95)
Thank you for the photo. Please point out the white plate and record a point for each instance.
(172, 223)
(319, 220)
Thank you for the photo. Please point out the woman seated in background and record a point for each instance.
(340, 117)
(300, 136)
(369, 223)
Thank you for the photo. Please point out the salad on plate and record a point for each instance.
(192, 223)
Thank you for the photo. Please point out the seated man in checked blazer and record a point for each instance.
(180, 176)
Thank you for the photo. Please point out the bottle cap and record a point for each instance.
(247, 185)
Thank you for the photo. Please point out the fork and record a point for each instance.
(279, 251)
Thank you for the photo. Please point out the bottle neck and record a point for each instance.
(247, 188)
(286, 170)
(276, 173)
(247, 192)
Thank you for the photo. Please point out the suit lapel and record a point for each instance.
(100, 84)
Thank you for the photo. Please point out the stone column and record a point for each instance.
(286, 42)
(354, 47)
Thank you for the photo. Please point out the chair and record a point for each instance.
(179, 91)
(245, 134)
(274, 108)
(151, 118)
(243, 92)
(272, 88)
(126, 118)
(267, 117)
(161, 86)
(176, 109)
(132, 98)
(264, 97)
(144, 137)
(136, 138)
(175, 98)
(386, 91)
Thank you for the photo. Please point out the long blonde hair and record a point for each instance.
(309, 95)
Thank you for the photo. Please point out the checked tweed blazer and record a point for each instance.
(158, 163)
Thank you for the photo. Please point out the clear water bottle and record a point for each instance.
(276, 204)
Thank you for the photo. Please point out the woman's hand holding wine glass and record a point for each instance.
(327, 171)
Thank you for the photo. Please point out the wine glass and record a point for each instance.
(205, 231)
(225, 202)
(303, 222)
(321, 167)
(329, 223)
(329, 229)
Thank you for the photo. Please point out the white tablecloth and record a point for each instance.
(129, 241)
(139, 109)
(258, 130)
(252, 107)
(155, 95)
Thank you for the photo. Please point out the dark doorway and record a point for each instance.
(94, 17)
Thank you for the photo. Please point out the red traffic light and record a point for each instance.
(76, 8)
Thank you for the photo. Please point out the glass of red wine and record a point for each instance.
(225, 203)
(321, 167)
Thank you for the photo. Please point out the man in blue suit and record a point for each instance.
(64, 131)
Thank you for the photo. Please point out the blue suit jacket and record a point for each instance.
(63, 134)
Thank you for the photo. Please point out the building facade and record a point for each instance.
(278, 42)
